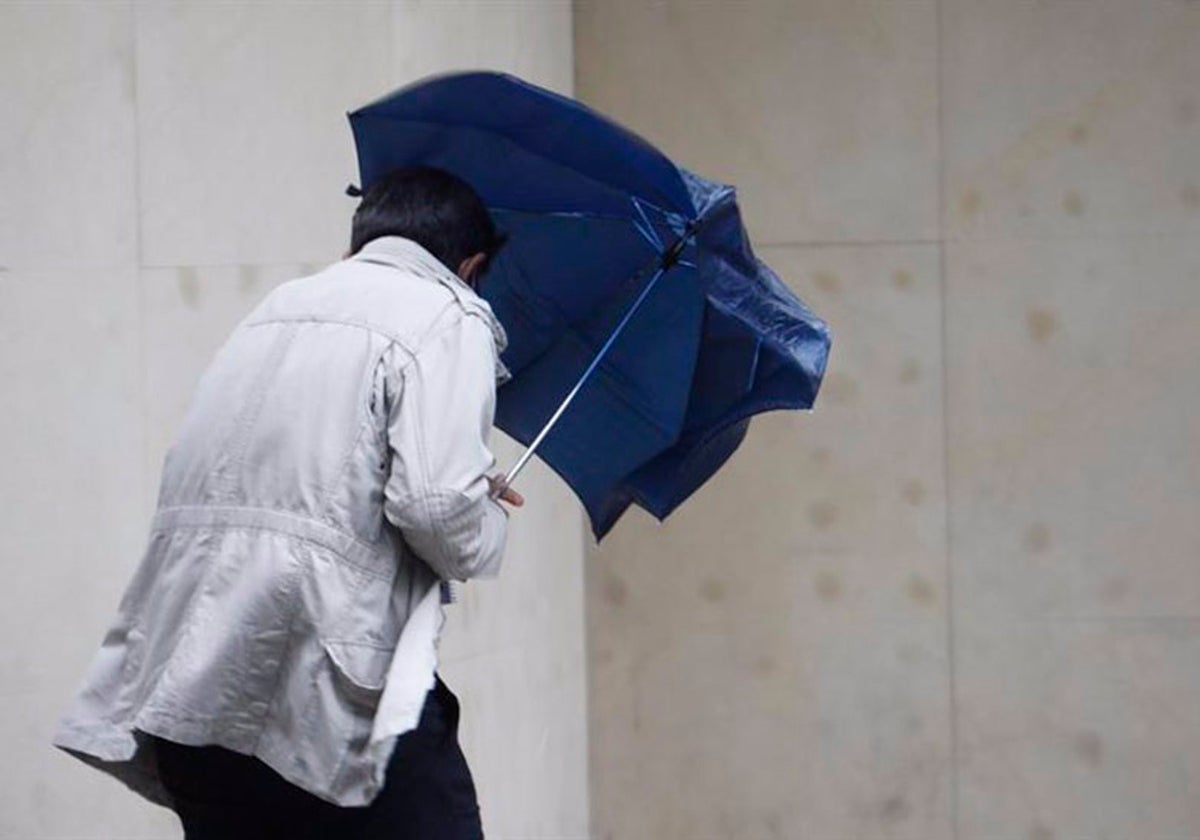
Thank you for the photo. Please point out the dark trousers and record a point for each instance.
(428, 793)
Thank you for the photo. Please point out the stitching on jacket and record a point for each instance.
(190, 625)
(286, 656)
(423, 472)
(432, 332)
(430, 337)
(167, 517)
(240, 436)
(384, 373)
(346, 322)
(425, 491)
(358, 567)
(291, 598)
(365, 387)
(426, 501)
(307, 713)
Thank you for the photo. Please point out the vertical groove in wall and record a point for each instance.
(574, 30)
(951, 681)
(586, 551)
(583, 550)
(390, 52)
(148, 468)
(586, 558)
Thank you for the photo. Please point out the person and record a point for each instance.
(271, 671)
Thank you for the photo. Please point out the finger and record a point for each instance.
(513, 497)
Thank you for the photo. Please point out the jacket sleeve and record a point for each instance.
(438, 423)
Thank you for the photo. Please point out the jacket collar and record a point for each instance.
(407, 255)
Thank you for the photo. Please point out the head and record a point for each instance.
(437, 210)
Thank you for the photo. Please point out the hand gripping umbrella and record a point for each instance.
(643, 332)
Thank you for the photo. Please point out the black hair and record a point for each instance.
(432, 207)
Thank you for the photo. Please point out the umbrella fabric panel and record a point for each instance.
(666, 481)
(790, 336)
(741, 284)
(517, 115)
(624, 416)
(502, 172)
(726, 369)
(555, 272)
(649, 369)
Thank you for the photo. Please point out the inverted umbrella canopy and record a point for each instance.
(627, 283)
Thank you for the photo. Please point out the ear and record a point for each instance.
(468, 268)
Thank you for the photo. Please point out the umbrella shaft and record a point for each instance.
(595, 363)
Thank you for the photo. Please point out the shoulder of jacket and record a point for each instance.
(483, 326)
(454, 317)
(419, 263)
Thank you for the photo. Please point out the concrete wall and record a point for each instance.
(162, 166)
(961, 598)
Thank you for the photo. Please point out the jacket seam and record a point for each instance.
(417, 395)
(431, 337)
(241, 526)
(423, 459)
(346, 322)
(190, 625)
(239, 437)
(286, 515)
(432, 333)
(362, 404)
(467, 571)
(284, 656)
(435, 329)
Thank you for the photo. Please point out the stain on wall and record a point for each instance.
(188, 283)
(902, 279)
(1073, 203)
(1042, 323)
(1036, 539)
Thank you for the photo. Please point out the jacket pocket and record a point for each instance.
(359, 670)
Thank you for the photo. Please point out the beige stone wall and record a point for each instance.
(162, 166)
(960, 599)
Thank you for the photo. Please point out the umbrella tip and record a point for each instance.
(353, 191)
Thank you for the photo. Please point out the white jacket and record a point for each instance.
(331, 470)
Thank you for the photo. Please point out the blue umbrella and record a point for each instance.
(643, 331)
